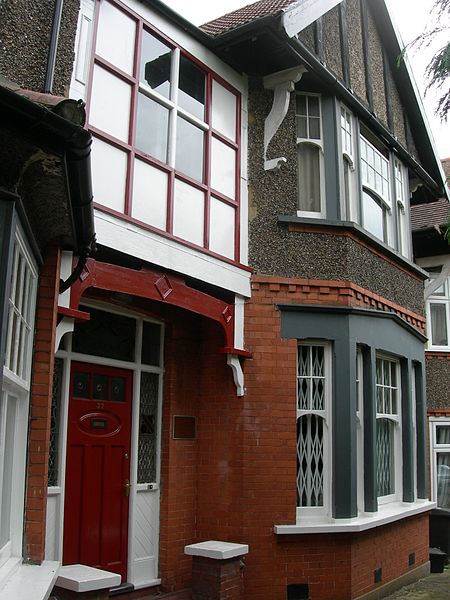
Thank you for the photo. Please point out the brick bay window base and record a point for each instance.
(217, 570)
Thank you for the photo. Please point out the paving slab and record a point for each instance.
(433, 587)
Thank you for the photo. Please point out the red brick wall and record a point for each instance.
(388, 547)
(40, 409)
(217, 579)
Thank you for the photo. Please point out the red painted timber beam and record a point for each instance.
(154, 285)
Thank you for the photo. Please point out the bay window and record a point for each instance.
(388, 430)
(15, 396)
(313, 425)
(376, 203)
(347, 126)
(166, 135)
(310, 155)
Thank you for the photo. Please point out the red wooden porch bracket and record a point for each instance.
(154, 285)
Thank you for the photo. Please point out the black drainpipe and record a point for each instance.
(53, 47)
(46, 129)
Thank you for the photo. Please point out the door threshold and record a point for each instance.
(123, 588)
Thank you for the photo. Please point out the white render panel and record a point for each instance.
(223, 168)
(110, 104)
(223, 110)
(188, 211)
(169, 254)
(116, 49)
(149, 194)
(144, 561)
(109, 170)
(222, 234)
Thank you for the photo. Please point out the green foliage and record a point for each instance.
(437, 72)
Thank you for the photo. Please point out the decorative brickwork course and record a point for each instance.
(40, 409)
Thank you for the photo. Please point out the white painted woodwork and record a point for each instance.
(149, 194)
(30, 582)
(109, 167)
(144, 560)
(116, 49)
(168, 254)
(110, 104)
(282, 83)
(188, 211)
(221, 234)
(83, 44)
(238, 374)
(52, 550)
(302, 14)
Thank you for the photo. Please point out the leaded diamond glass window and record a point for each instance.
(313, 379)
(310, 461)
(148, 414)
(54, 427)
(385, 457)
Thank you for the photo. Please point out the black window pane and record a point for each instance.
(152, 124)
(151, 340)
(105, 334)
(191, 92)
(117, 389)
(313, 106)
(155, 64)
(100, 387)
(81, 385)
(189, 154)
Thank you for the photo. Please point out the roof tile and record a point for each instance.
(246, 14)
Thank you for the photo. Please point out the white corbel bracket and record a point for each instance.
(238, 374)
(282, 83)
(436, 283)
(66, 325)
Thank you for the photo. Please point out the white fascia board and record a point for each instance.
(418, 99)
(301, 14)
(169, 254)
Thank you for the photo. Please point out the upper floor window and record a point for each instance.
(313, 425)
(166, 135)
(349, 208)
(310, 155)
(440, 461)
(438, 309)
(376, 206)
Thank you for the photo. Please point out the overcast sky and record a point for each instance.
(411, 17)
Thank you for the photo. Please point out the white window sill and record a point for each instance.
(387, 513)
(29, 582)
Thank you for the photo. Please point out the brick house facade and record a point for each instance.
(241, 361)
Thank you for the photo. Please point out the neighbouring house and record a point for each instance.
(432, 253)
(231, 402)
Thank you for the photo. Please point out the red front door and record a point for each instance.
(98, 468)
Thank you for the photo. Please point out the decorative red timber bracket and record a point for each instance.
(169, 289)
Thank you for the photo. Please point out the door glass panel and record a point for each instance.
(155, 64)
(117, 391)
(100, 387)
(191, 92)
(152, 127)
(148, 411)
(105, 334)
(151, 340)
(81, 385)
